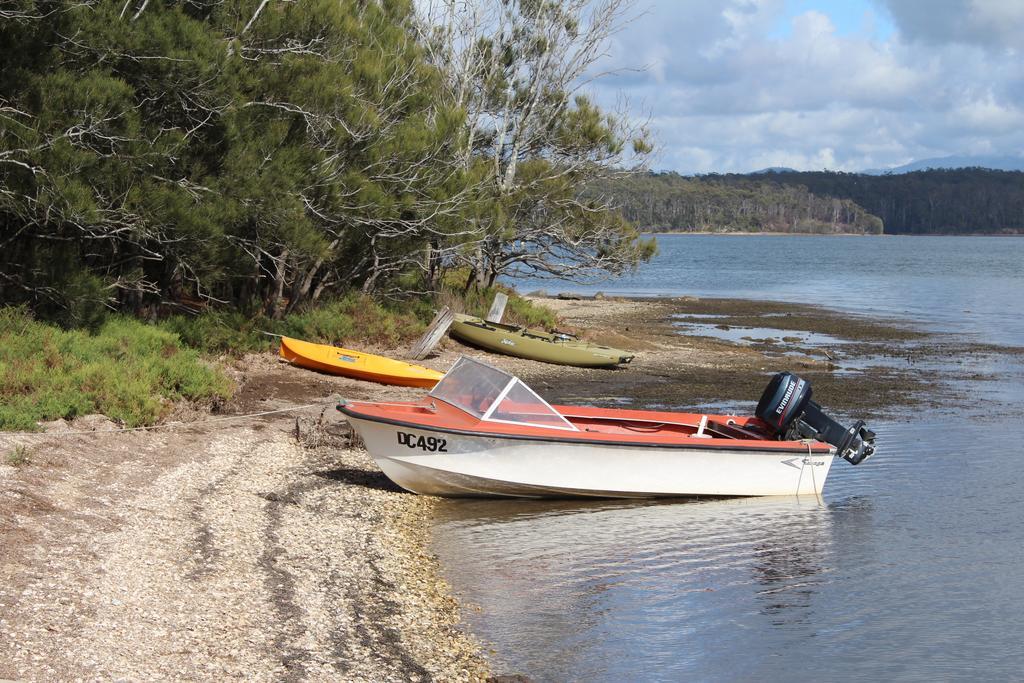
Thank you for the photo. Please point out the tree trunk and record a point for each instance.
(470, 281)
(274, 304)
(320, 289)
(302, 286)
(371, 281)
(300, 290)
(480, 269)
(432, 264)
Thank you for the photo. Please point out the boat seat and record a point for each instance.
(733, 431)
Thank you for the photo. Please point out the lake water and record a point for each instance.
(909, 568)
(973, 285)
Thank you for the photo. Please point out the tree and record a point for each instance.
(245, 152)
(258, 155)
(533, 140)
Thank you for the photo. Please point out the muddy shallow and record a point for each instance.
(879, 368)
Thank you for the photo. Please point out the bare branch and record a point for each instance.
(255, 16)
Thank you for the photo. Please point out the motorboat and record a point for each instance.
(483, 432)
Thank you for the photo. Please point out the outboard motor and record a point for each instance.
(786, 407)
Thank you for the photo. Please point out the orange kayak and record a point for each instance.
(338, 361)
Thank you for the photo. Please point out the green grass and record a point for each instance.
(353, 320)
(129, 371)
(358, 317)
(525, 312)
(134, 372)
(518, 311)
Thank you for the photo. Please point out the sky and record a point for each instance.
(741, 85)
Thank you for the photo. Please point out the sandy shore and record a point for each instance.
(223, 550)
(259, 549)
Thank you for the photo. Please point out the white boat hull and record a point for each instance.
(441, 463)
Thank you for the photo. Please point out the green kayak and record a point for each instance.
(557, 348)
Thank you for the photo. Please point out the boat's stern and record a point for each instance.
(787, 410)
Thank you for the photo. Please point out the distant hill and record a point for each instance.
(774, 169)
(948, 201)
(669, 202)
(960, 201)
(996, 163)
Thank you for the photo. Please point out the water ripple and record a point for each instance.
(903, 557)
(907, 570)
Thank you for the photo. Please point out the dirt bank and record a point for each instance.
(249, 549)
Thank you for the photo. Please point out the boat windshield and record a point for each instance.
(490, 394)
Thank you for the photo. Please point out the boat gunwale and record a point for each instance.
(696, 444)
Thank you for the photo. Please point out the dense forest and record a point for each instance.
(958, 201)
(669, 202)
(175, 155)
(961, 201)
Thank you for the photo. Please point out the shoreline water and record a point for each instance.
(274, 548)
(768, 233)
(655, 589)
(659, 233)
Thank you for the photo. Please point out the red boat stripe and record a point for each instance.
(817, 449)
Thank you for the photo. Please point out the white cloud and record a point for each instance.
(989, 115)
(729, 92)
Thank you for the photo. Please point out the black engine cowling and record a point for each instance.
(788, 411)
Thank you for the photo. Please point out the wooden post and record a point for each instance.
(438, 326)
(497, 308)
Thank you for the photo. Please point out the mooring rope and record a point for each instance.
(168, 425)
(814, 480)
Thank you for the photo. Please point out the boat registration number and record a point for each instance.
(431, 444)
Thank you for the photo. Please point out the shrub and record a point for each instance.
(19, 456)
(474, 301)
(352, 319)
(126, 369)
